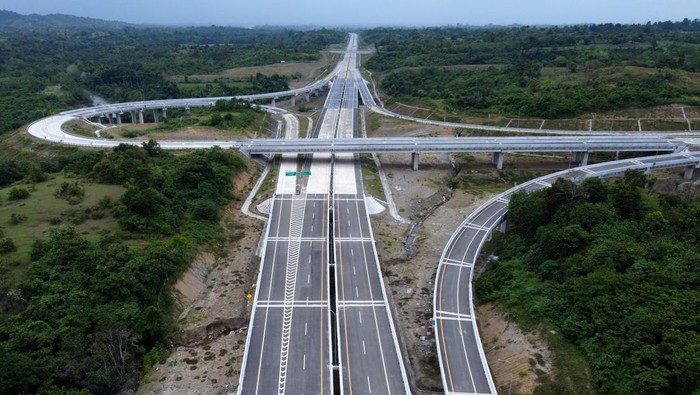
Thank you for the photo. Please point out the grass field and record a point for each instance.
(43, 211)
(20, 145)
(664, 124)
(303, 125)
(79, 128)
(526, 123)
(616, 124)
(303, 71)
(370, 177)
(566, 124)
(267, 188)
(190, 127)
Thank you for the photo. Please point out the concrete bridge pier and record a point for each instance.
(165, 113)
(133, 117)
(308, 97)
(415, 160)
(294, 100)
(274, 102)
(188, 111)
(141, 117)
(498, 159)
(155, 116)
(580, 158)
(119, 118)
(503, 226)
(689, 170)
(109, 117)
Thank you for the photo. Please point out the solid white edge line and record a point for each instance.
(397, 349)
(255, 301)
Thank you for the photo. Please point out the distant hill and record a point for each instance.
(9, 19)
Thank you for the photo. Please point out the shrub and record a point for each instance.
(7, 245)
(105, 203)
(205, 210)
(18, 193)
(130, 134)
(36, 175)
(72, 192)
(78, 217)
(17, 218)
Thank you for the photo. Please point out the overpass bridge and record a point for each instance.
(462, 362)
(579, 146)
(136, 109)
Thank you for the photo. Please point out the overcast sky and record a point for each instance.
(365, 12)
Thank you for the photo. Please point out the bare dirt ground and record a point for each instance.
(207, 351)
(516, 358)
(189, 133)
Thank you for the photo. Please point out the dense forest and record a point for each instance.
(46, 70)
(616, 270)
(545, 72)
(93, 315)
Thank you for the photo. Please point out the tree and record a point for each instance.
(11, 171)
(145, 202)
(152, 148)
(555, 242)
(594, 190)
(562, 193)
(215, 120)
(627, 201)
(635, 179)
(527, 212)
(114, 351)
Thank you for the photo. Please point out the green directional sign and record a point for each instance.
(305, 173)
(290, 173)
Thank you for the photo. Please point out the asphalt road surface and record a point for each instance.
(289, 348)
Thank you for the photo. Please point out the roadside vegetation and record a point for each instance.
(613, 269)
(90, 243)
(551, 72)
(48, 69)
